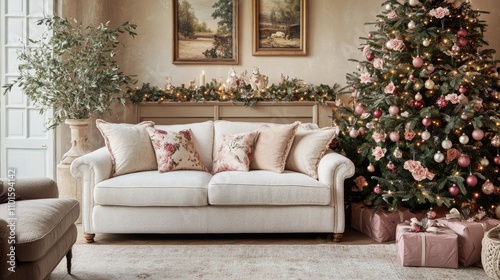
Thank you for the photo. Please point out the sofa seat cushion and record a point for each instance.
(262, 187)
(40, 224)
(151, 188)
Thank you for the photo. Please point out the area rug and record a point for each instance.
(324, 261)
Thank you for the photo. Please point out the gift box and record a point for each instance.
(380, 224)
(426, 248)
(470, 234)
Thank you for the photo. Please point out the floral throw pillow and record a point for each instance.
(234, 152)
(175, 150)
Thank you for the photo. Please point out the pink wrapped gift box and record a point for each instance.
(427, 249)
(379, 225)
(470, 235)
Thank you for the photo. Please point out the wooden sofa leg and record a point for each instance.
(69, 256)
(89, 237)
(337, 237)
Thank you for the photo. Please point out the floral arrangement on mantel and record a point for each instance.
(287, 90)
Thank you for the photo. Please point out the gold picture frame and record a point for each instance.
(205, 32)
(279, 28)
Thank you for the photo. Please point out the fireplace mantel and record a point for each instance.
(277, 112)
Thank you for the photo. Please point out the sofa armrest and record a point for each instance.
(92, 169)
(5, 252)
(333, 169)
(31, 188)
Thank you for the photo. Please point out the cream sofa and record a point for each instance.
(193, 201)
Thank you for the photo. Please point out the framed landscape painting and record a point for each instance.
(205, 31)
(279, 27)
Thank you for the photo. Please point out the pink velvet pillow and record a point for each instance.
(234, 152)
(175, 150)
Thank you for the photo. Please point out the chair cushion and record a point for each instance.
(262, 187)
(150, 188)
(40, 224)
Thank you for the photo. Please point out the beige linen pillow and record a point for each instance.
(272, 147)
(175, 150)
(307, 149)
(129, 146)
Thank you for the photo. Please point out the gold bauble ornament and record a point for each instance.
(495, 141)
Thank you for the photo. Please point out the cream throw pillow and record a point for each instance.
(307, 149)
(129, 146)
(272, 147)
(234, 152)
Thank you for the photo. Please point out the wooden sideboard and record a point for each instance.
(277, 112)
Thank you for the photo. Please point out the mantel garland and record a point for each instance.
(288, 90)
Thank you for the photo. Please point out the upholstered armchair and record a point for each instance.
(37, 229)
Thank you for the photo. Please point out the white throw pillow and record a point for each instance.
(234, 152)
(129, 146)
(307, 149)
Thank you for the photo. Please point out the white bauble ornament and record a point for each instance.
(388, 45)
(426, 42)
(413, 3)
(446, 144)
(426, 135)
(418, 96)
(393, 110)
(429, 84)
(388, 7)
(455, 48)
(353, 133)
(412, 25)
(484, 162)
(370, 168)
(394, 136)
(463, 139)
(439, 157)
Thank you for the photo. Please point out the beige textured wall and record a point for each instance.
(334, 27)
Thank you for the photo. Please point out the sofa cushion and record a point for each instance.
(272, 147)
(129, 146)
(150, 188)
(234, 152)
(175, 150)
(40, 224)
(262, 187)
(203, 138)
(307, 149)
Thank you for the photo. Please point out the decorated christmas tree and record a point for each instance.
(422, 123)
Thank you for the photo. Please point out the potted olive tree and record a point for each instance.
(72, 70)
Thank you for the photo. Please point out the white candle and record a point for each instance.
(202, 78)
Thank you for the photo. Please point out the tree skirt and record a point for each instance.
(335, 261)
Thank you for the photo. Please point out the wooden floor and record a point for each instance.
(351, 237)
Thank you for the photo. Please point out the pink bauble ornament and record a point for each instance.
(454, 190)
(418, 96)
(462, 42)
(370, 168)
(394, 136)
(477, 134)
(393, 110)
(463, 160)
(359, 109)
(464, 116)
(496, 160)
(377, 113)
(362, 130)
(430, 68)
(411, 77)
(471, 180)
(497, 211)
(370, 35)
(418, 104)
(461, 32)
(426, 121)
(488, 187)
(462, 89)
(377, 189)
(441, 102)
(439, 157)
(418, 62)
(370, 57)
(353, 133)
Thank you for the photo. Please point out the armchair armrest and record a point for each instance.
(31, 188)
(92, 168)
(5, 256)
(333, 169)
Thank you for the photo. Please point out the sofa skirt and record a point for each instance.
(214, 219)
